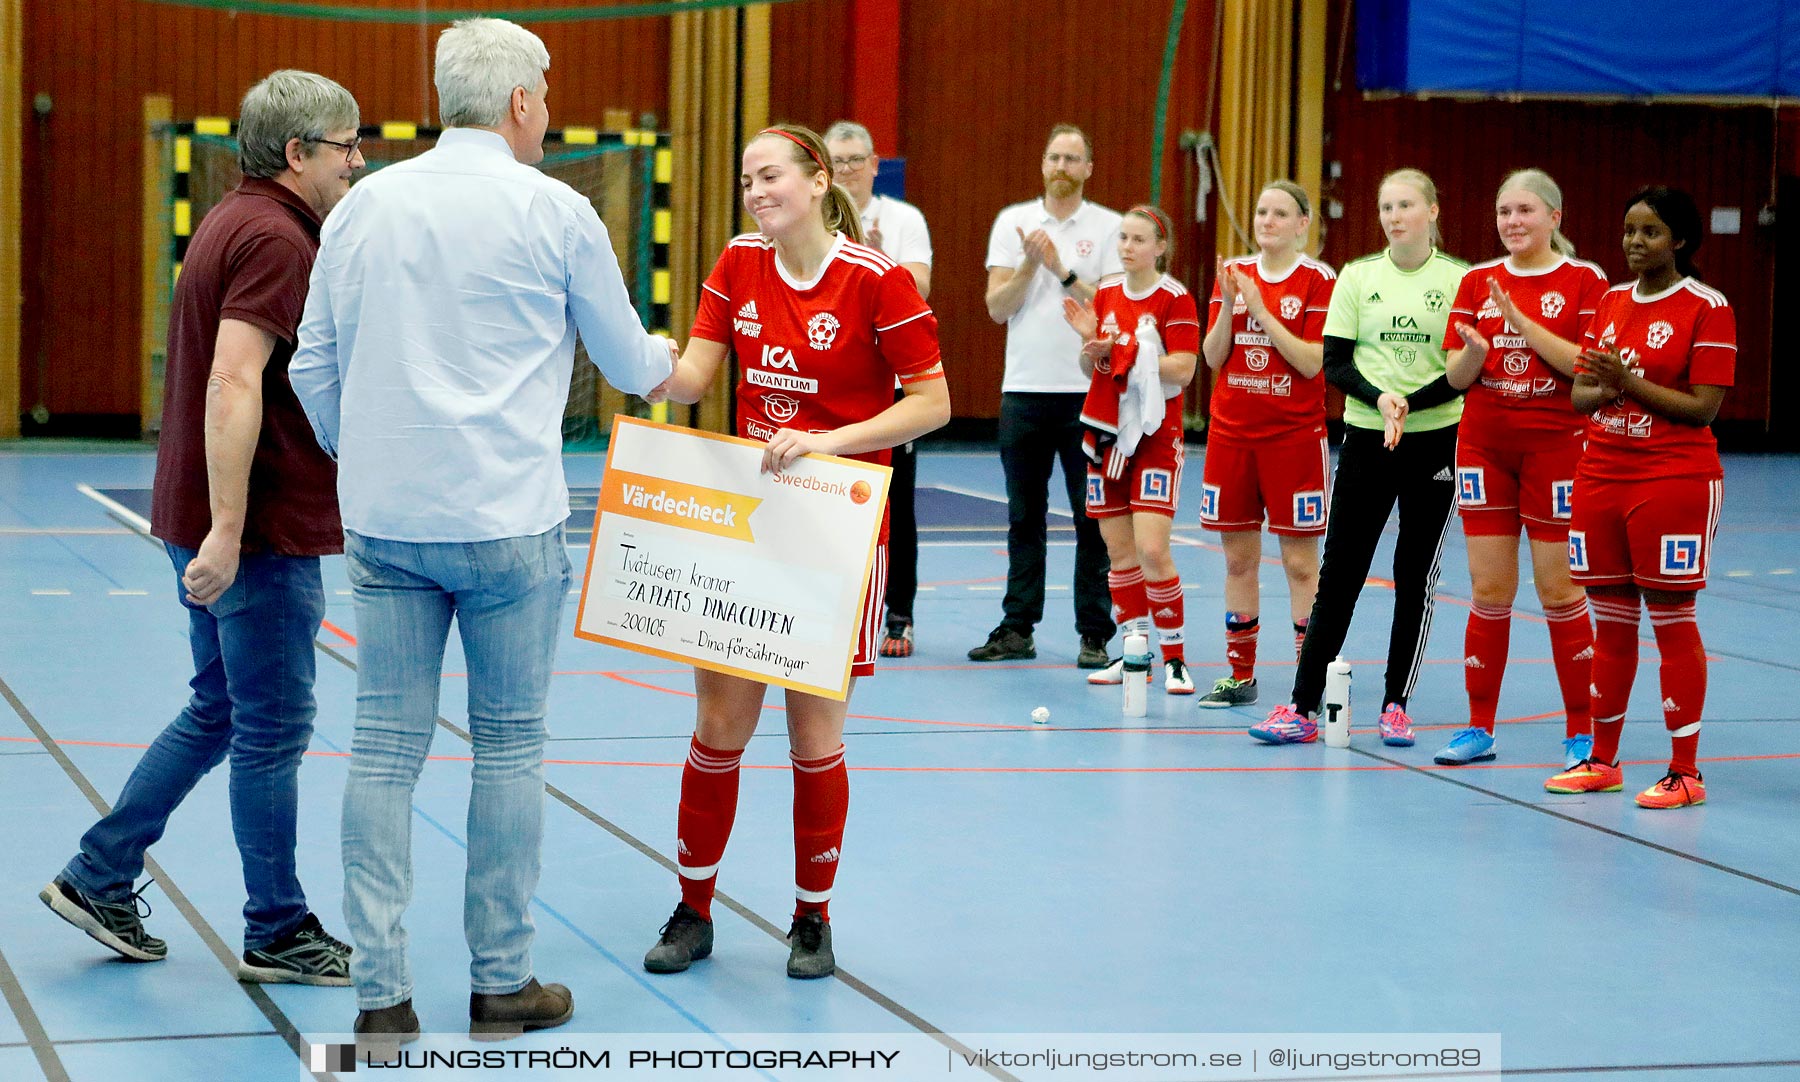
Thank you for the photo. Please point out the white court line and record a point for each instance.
(1782, 571)
(128, 593)
(63, 531)
(50, 593)
(1739, 574)
(132, 518)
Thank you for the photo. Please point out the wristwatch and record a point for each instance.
(1070, 280)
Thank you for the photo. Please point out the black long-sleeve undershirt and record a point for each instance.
(1341, 371)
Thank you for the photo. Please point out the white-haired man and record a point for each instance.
(435, 359)
(898, 229)
(245, 505)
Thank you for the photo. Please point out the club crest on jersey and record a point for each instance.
(1084, 248)
(1209, 501)
(1471, 486)
(1578, 556)
(1562, 498)
(1434, 300)
(821, 330)
(1659, 334)
(1256, 359)
(1488, 310)
(1156, 486)
(780, 408)
(1516, 362)
(1551, 304)
(1309, 508)
(1406, 355)
(1290, 307)
(1281, 385)
(1680, 554)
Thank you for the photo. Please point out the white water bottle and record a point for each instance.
(1336, 706)
(1137, 674)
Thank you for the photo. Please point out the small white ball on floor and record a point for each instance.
(1041, 715)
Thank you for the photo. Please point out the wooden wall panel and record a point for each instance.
(98, 59)
(809, 79)
(981, 85)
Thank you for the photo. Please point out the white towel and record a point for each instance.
(1141, 406)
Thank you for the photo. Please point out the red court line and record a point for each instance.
(338, 631)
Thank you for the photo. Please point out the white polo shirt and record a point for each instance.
(1042, 351)
(904, 238)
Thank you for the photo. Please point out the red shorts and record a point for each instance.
(1283, 478)
(1655, 534)
(1496, 487)
(868, 631)
(1151, 481)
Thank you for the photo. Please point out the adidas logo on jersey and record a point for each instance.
(1374, 298)
(829, 856)
(1669, 704)
(1587, 654)
(748, 311)
(1443, 475)
(1165, 614)
(748, 323)
(1473, 662)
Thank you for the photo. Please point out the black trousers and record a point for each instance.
(1036, 432)
(903, 535)
(1419, 475)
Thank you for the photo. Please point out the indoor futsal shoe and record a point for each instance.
(1396, 727)
(1676, 790)
(1471, 745)
(686, 938)
(1228, 691)
(1287, 726)
(1577, 748)
(1587, 776)
(116, 924)
(1176, 678)
(809, 948)
(1113, 673)
(898, 642)
(307, 955)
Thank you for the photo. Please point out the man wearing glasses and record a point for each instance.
(245, 503)
(1040, 252)
(898, 229)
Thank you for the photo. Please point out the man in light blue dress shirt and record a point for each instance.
(434, 361)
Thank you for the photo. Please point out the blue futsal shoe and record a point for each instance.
(1469, 745)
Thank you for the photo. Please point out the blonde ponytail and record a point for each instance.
(841, 215)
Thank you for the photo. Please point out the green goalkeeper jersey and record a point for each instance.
(1397, 319)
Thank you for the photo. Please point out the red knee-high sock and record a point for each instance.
(1131, 608)
(821, 804)
(1683, 680)
(1572, 652)
(1615, 667)
(1485, 644)
(709, 795)
(1240, 644)
(1169, 615)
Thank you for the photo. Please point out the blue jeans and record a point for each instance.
(253, 700)
(507, 597)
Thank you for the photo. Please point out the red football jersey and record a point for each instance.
(1517, 393)
(1170, 309)
(1257, 394)
(817, 355)
(1683, 337)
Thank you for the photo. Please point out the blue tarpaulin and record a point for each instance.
(1738, 48)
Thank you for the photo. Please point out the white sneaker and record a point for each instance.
(1176, 678)
(1114, 673)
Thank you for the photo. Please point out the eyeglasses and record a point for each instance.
(851, 164)
(349, 148)
(1065, 159)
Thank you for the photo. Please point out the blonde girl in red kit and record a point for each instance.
(1265, 448)
(1661, 353)
(1516, 451)
(1140, 343)
(823, 326)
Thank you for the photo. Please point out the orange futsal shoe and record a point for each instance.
(1587, 776)
(1674, 791)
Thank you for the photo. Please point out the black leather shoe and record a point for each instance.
(535, 1006)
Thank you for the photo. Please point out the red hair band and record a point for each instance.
(1145, 210)
(799, 142)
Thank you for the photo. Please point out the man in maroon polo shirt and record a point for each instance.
(246, 503)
